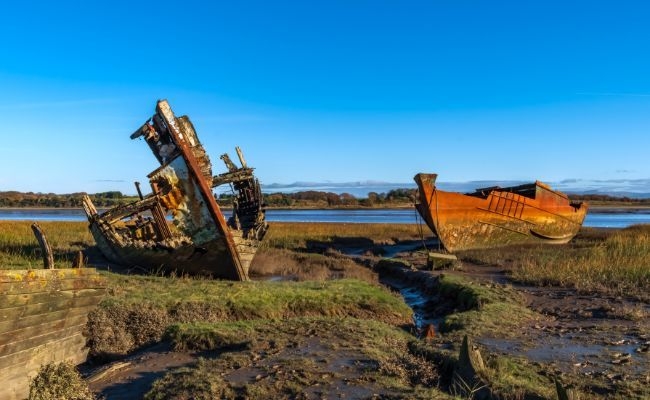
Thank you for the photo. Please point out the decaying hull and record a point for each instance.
(496, 216)
(43, 314)
(199, 240)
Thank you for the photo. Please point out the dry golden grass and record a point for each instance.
(295, 234)
(617, 262)
(308, 266)
(20, 250)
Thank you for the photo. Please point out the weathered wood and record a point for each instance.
(21, 367)
(46, 250)
(59, 302)
(18, 300)
(12, 275)
(16, 327)
(565, 393)
(42, 316)
(440, 260)
(79, 261)
(466, 380)
(55, 348)
(30, 281)
(24, 338)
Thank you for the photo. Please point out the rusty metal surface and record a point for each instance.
(492, 217)
(201, 240)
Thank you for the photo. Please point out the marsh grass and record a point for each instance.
(616, 262)
(481, 308)
(20, 250)
(59, 381)
(140, 308)
(302, 266)
(294, 235)
(340, 358)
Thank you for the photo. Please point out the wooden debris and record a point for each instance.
(46, 250)
(441, 260)
(466, 381)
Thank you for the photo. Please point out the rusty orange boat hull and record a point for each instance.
(493, 217)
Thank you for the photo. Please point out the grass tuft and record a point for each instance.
(59, 381)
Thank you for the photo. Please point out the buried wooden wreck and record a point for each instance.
(43, 315)
(199, 240)
(496, 216)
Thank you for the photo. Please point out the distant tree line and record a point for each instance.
(316, 199)
(608, 198)
(306, 199)
(72, 200)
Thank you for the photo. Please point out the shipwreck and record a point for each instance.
(495, 216)
(43, 315)
(179, 226)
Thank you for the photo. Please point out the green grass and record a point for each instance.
(481, 308)
(140, 308)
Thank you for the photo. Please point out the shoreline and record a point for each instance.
(593, 208)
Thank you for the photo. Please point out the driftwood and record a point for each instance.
(79, 261)
(48, 259)
(466, 381)
(565, 393)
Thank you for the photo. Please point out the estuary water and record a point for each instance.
(596, 219)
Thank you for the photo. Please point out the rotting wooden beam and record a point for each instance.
(46, 250)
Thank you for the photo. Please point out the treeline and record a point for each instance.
(608, 198)
(305, 199)
(72, 200)
(316, 199)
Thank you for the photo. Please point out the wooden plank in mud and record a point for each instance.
(15, 326)
(29, 282)
(17, 369)
(42, 316)
(82, 296)
(29, 336)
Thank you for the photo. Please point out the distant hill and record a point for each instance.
(631, 188)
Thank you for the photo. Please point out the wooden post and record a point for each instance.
(48, 259)
(79, 260)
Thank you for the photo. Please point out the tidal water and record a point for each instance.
(596, 219)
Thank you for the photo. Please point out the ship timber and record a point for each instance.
(494, 216)
(43, 314)
(199, 241)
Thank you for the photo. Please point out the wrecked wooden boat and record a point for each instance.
(42, 316)
(495, 216)
(199, 240)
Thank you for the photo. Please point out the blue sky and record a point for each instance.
(328, 90)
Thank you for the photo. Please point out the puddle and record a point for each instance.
(571, 354)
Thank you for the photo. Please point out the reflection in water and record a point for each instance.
(374, 216)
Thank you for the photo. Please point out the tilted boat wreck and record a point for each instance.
(495, 216)
(200, 240)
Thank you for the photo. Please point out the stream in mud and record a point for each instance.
(593, 336)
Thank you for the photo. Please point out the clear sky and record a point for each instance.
(327, 90)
